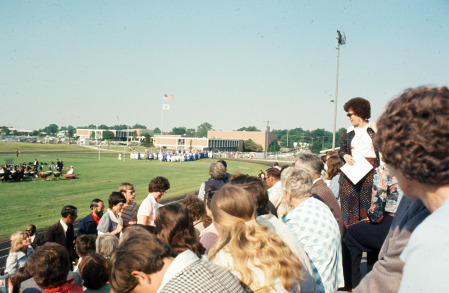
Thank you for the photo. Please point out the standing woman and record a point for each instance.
(111, 222)
(249, 250)
(355, 199)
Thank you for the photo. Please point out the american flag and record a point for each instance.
(168, 97)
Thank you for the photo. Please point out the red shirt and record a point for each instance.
(96, 219)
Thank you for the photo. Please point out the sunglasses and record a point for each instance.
(350, 114)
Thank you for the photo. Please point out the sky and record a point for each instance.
(228, 63)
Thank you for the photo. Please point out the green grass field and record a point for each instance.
(40, 203)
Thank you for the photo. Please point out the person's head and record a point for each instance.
(136, 262)
(310, 163)
(217, 171)
(358, 111)
(195, 206)
(49, 265)
(175, 226)
(331, 154)
(272, 176)
(275, 164)
(106, 244)
(413, 136)
(256, 189)
(116, 202)
(69, 214)
(19, 241)
(31, 230)
(97, 207)
(333, 166)
(224, 163)
(127, 189)
(250, 242)
(210, 192)
(158, 186)
(323, 159)
(85, 244)
(94, 271)
(297, 183)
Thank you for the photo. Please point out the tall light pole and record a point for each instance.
(341, 38)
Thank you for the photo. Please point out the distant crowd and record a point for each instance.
(32, 170)
(296, 228)
(170, 155)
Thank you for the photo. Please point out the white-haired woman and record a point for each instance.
(19, 252)
(249, 250)
(316, 229)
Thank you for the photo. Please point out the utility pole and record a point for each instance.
(266, 138)
(341, 38)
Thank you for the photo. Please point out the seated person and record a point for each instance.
(94, 271)
(85, 244)
(49, 266)
(144, 263)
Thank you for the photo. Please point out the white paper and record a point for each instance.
(356, 172)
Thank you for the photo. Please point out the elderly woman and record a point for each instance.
(217, 172)
(315, 228)
(413, 138)
(357, 141)
(106, 244)
(19, 252)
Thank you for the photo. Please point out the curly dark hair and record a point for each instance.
(413, 134)
(195, 206)
(159, 184)
(334, 164)
(360, 106)
(175, 226)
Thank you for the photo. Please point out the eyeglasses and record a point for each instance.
(28, 230)
(350, 114)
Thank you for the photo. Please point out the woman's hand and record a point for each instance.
(119, 228)
(348, 159)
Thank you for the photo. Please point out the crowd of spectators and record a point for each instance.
(299, 228)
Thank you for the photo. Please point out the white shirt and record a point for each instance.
(64, 226)
(147, 208)
(362, 142)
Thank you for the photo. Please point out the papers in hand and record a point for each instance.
(356, 172)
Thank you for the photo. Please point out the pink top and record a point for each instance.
(208, 237)
(147, 208)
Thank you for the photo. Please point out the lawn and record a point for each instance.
(40, 203)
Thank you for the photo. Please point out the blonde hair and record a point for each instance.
(16, 241)
(123, 187)
(250, 241)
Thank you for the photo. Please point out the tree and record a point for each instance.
(108, 135)
(147, 140)
(316, 147)
(92, 135)
(5, 130)
(250, 146)
(51, 129)
(190, 132)
(102, 126)
(70, 131)
(249, 128)
(139, 126)
(274, 146)
(178, 130)
(202, 129)
(157, 130)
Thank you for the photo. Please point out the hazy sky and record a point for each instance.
(229, 63)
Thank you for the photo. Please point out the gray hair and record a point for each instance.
(106, 244)
(310, 162)
(297, 182)
(217, 171)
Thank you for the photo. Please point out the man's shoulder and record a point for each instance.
(203, 276)
(87, 218)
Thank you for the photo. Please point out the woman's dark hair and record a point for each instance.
(115, 198)
(195, 206)
(85, 244)
(413, 134)
(21, 275)
(257, 189)
(49, 265)
(175, 226)
(159, 184)
(334, 164)
(360, 106)
(94, 271)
